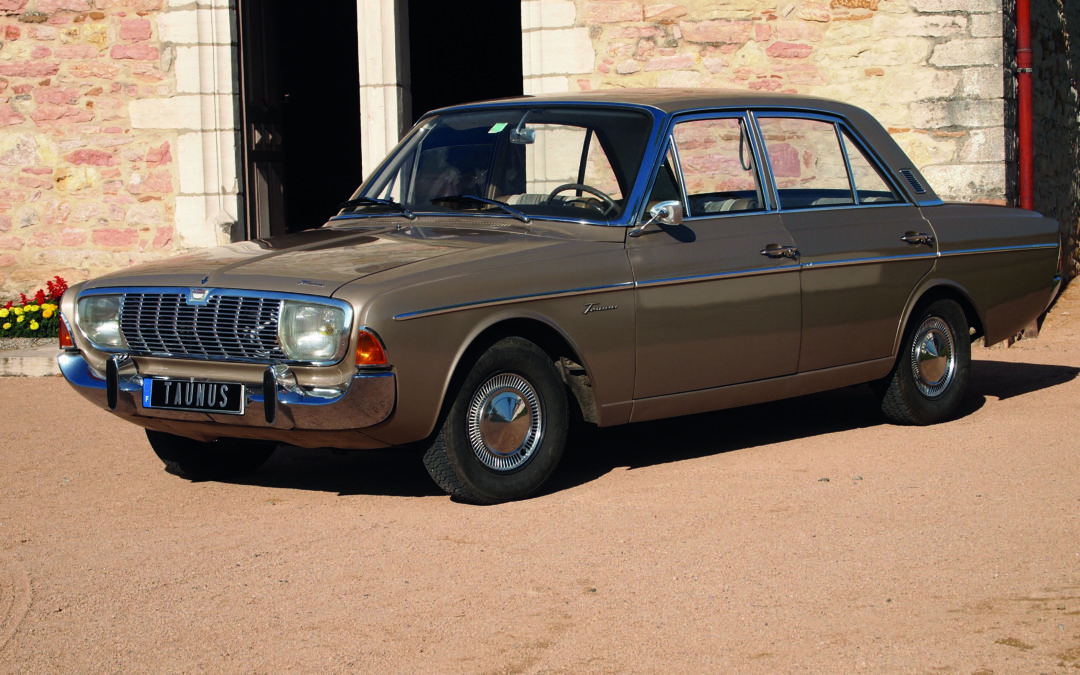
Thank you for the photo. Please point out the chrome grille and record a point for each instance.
(226, 327)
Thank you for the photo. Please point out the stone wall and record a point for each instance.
(1056, 124)
(110, 151)
(930, 70)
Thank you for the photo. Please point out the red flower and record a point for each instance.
(56, 288)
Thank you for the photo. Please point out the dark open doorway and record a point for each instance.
(300, 113)
(460, 52)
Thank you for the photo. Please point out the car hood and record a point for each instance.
(318, 262)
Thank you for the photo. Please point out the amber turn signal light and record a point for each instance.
(65, 336)
(369, 351)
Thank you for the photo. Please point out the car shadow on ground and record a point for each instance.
(593, 452)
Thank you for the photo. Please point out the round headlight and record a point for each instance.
(99, 318)
(312, 332)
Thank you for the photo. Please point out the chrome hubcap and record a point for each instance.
(504, 422)
(933, 359)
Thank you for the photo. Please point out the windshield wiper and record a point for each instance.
(362, 201)
(483, 200)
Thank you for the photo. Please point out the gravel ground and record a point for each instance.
(804, 535)
(14, 344)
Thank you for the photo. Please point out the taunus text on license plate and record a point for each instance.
(212, 397)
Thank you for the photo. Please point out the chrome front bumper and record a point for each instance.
(367, 400)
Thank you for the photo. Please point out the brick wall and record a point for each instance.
(930, 70)
(81, 191)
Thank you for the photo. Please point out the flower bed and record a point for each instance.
(34, 317)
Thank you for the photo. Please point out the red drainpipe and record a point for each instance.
(1023, 82)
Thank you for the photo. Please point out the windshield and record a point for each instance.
(555, 162)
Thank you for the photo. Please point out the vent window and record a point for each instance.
(909, 176)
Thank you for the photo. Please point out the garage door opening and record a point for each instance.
(300, 111)
(463, 52)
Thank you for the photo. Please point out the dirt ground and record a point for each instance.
(799, 536)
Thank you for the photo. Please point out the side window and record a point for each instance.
(807, 162)
(870, 186)
(717, 161)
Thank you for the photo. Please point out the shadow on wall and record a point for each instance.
(1055, 37)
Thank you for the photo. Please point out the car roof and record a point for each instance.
(668, 102)
(678, 100)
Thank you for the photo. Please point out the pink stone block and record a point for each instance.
(789, 50)
(717, 31)
(51, 6)
(613, 11)
(91, 157)
(138, 52)
(116, 238)
(29, 69)
(135, 29)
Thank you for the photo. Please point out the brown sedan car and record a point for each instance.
(611, 257)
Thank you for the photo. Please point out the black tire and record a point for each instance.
(930, 377)
(218, 460)
(505, 430)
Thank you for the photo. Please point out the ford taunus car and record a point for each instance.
(610, 257)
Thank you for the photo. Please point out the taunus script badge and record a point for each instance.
(595, 307)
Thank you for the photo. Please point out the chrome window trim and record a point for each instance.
(746, 119)
(227, 292)
(659, 118)
(840, 125)
(511, 300)
(847, 163)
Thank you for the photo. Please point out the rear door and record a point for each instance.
(862, 247)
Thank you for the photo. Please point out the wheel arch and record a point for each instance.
(552, 341)
(941, 291)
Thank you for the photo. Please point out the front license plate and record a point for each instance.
(225, 398)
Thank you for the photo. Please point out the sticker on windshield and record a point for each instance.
(499, 126)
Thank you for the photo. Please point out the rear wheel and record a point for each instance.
(931, 373)
(217, 460)
(506, 428)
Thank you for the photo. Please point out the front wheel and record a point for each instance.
(931, 373)
(505, 430)
(217, 460)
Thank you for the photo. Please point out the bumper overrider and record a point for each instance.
(277, 409)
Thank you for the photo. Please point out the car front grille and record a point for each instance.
(225, 327)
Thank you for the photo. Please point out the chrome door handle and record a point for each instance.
(780, 251)
(913, 237)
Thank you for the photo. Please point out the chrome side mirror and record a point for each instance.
(665, 213)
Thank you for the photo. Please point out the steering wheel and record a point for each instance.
(606, 209)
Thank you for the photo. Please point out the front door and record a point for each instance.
(717, 296)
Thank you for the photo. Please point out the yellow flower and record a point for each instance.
(18, 311)
(3, 312)
(34, 325)
(7, 325)
(46, 313)
(33, 308)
